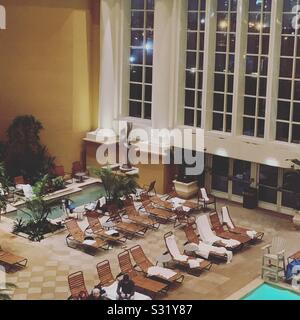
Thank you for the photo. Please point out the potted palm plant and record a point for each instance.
(115, 185)
(3, 189)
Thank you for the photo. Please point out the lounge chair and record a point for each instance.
(77, 235)
(207, 199)
(209, 237)
(148, 189)
(134, 216)
(98, 231)
(59, 171)
(151, 286)
(161, 203)
(204, 250)
(77, 286)
(110, 284)
(193, 265)
(220, 231)
(11, 261)
(78, 169)
(226, 218)
(178, 202)
(150, 270)
(130, 229)
(161, 215)
(182, 218)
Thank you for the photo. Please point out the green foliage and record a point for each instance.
(24, 153)
(4, 183)
(58, 183)
(5, 292)
(38, 211)
(116, 186)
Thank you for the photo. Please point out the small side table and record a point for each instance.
(164, 259)
(79, 176)
(295, 256)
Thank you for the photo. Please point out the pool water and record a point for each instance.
(88, 194)
(268, 292)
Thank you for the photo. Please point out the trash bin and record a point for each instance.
(250, 198)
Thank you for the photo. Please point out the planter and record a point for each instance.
(296, 220)
(186, 190)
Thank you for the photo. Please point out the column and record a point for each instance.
(240, 67)
(164, 62)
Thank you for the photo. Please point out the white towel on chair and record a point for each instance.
(161, 272)
(209, 237)
(204, 194)
(195, 263)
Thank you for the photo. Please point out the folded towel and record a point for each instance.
(195, 263)
(89, 242)
(111, 232)
(251, 233)
(111, 293)
(230, 243)
(161, 272)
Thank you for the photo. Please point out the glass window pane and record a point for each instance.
(189, 117)
(282, 132)
(135, 109)
(137, 19)
(249, 127)
(218, 121)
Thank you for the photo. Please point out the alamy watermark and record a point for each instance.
(296, 19)
(152, 146)
(2, 18)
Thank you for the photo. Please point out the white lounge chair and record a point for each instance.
(207, 199)
(226, 219)
(193, 265)
(208, 236)
(203, 250)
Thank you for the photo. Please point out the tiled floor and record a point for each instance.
(51, 261)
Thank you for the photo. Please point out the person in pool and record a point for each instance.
(126, 288)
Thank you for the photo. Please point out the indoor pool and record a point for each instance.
(88, 194)
(268, 292)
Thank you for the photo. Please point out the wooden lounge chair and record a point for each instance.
(104, 273)
(182, 218)
(209, 237)
(143, 263)
(77, 235)
(59, 171)
(207, 199)
(134, 216)
(130, 229)
(99, 231)
(77, 286)
(110, 284)
(158, 213)
(226, 217)
(11, 261)
(193, 238)
(220, 231)
(193, 265)
(141, 282)
(161, 203)
(148, 189)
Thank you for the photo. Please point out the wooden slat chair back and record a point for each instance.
(75, 230)
(144, 197)
(128, 201)
(94, 223)
(19, 180)
(191, 234)
(151, 187)
(104, 273)
(126, 264)
(77, 284)
(140, 258)
(216, 223)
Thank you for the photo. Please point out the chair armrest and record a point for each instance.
(268, 246)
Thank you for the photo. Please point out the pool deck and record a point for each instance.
(71, 188)
(51, 261)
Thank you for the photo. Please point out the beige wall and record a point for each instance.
(49, 68)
